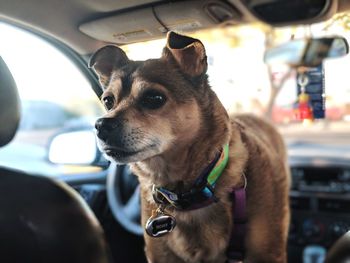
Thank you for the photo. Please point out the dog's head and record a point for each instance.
(153, 105)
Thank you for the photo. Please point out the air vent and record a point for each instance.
(322, 180)
(300, 203)
(333, 205)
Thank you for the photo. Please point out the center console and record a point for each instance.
(320, 204)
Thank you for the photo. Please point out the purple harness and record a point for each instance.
(236, 250)
(201, 195)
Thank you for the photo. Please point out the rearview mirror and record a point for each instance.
(73, 147)
(307, 52)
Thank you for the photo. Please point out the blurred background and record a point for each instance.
(236, 71)
(244, 83)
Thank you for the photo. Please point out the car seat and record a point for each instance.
(41, 220)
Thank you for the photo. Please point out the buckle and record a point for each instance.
(197, 197)
(164, 197)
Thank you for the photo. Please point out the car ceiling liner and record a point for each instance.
(152, 21)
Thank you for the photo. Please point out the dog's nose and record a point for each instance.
(104, 126)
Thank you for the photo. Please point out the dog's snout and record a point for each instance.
(104, 127)
(103, 123)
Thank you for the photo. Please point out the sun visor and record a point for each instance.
(153, 22)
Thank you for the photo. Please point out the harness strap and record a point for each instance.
(236, 249)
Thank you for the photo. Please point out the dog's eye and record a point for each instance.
(108, 101)
(152, 100)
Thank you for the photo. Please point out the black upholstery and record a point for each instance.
(9, 105)
(41, 221)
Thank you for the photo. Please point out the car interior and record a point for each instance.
(92, 212)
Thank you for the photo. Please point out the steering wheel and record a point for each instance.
(125, 205)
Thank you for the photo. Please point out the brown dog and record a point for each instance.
(163, 119)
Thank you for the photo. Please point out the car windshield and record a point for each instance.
(244, 83)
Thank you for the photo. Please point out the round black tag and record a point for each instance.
(160, 225)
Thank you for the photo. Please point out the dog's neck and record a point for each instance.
(178, 168)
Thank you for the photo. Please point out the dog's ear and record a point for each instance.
(188, 52)
(107, 59)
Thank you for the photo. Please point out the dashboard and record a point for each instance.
(320, 205)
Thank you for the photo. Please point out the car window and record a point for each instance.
(55, 96)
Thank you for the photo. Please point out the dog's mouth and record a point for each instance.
(122, 154)
(119, 153)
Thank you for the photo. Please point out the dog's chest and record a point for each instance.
(201, 235)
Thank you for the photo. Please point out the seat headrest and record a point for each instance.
(9, 105)
(46, 221)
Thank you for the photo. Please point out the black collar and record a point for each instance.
(201, 194)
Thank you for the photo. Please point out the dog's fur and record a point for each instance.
(171, 145)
